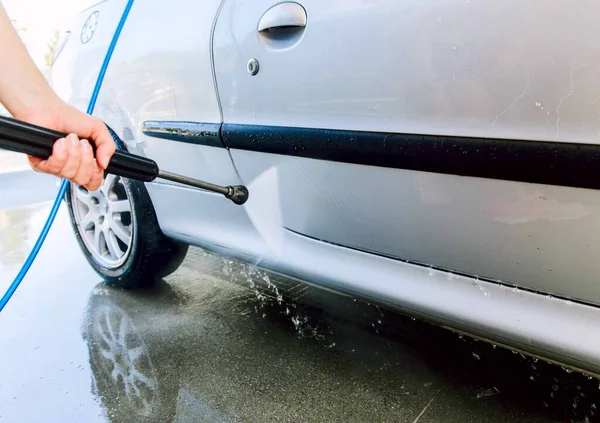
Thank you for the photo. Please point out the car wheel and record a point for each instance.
(117, 229)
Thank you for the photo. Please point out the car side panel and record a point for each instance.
(510, 69)
(450, 68)
(76, 69)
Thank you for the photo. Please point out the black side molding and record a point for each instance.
(551, 163)
(188, 132)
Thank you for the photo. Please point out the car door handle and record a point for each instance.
(283, 16)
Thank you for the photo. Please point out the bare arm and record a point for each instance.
(28, 97)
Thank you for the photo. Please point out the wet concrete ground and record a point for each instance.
(222, 341)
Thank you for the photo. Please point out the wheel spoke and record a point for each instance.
(87, 220)
(121, 231)
(97, 239)
(112, 244)
(108, 184)
(85, 199)
(120, 206)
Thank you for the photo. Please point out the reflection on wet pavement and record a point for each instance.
(18, 232)
(266, 348)
(222, 341)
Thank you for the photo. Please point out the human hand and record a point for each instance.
(72, 157)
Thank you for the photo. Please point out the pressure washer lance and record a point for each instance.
(37, 141)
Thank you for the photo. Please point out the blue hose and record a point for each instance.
(65, 183)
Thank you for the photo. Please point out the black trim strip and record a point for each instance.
(189, 132)
(551, 163)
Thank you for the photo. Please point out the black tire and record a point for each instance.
(151, 255)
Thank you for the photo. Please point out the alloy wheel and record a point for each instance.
(104, 221)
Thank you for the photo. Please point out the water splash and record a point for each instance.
(264, 209)
(268, 297)
(487, 393)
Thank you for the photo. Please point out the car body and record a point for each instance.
(436, 157)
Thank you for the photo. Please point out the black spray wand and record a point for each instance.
(37, 141)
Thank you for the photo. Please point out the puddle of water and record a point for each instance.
(509, 375)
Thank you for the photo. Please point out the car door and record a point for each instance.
(457, 134)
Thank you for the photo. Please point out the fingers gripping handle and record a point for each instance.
(39, 142)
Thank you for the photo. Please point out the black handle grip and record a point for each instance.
(37, 141)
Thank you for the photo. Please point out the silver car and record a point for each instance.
(437, 157)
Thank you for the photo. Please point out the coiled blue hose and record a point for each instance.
(65, 183)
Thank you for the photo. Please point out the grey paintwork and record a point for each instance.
(444, 73)
(505, 69)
